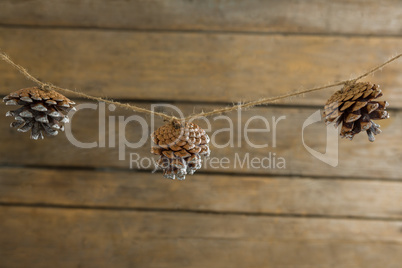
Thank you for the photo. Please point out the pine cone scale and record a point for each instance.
(346, 105)
(11, 102)
(358, 105)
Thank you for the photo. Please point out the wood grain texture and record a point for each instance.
(196, 67)
(358, 158)
(317, 16)
(64, 206)
(41, 237)
(212, 193)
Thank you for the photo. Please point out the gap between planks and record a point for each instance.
(112, 169)
(195, 31)
(198, 211)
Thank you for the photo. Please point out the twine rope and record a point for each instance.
(49, 86)
(250, 104)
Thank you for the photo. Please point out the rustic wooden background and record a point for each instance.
(62, 206)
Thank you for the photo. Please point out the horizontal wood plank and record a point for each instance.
(196, 67)
(283, 151)
(214, 193)
(317, 16)
(44, 237)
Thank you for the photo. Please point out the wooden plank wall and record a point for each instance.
(62, 206)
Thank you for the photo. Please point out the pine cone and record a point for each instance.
(180, 147)
(41, 111)
(354, 107)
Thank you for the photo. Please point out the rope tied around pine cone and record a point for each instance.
(349, 82)
(47, 87)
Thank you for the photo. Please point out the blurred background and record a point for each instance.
(64, 206)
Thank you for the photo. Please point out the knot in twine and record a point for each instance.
(47, 87)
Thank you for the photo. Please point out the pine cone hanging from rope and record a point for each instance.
(180, 146)
(354, 108)
(41, 111)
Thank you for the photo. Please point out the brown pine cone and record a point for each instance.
(41, 111)
(354, 108)
(180, 146)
